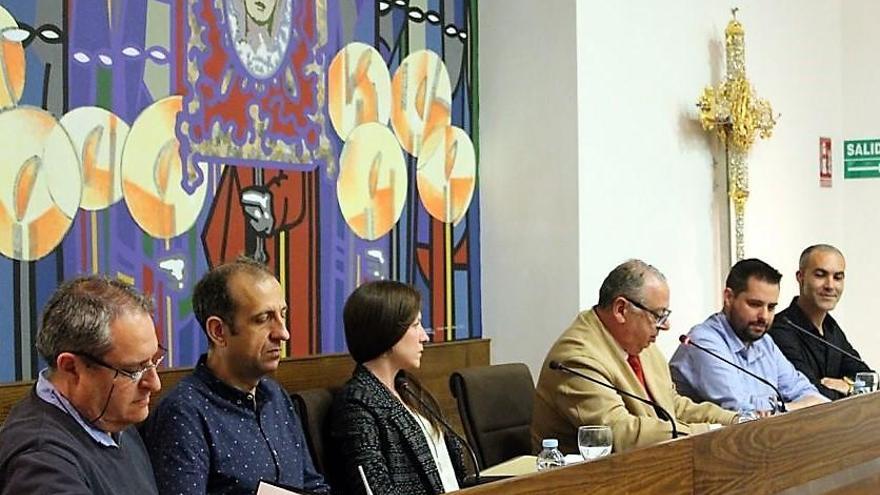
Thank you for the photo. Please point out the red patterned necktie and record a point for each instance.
(636, 364)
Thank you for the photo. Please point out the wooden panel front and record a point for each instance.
(664, 468)
(790, 450)
(828, 449)
(329, 371)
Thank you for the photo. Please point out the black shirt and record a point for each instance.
(810, 356)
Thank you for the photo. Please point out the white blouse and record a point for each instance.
(437, 445)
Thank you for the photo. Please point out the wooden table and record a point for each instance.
(827, 449)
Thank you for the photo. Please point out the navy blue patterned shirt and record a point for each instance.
(209, 437)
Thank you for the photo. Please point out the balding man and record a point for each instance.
(228, 425)
(614, 343)
(820, 277)
(74, 433)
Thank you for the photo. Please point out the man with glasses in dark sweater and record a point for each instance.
(74, 433)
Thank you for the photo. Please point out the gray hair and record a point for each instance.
(627, 279)
(77, 317)
(805, 255)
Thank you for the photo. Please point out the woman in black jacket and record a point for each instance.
(383, 420)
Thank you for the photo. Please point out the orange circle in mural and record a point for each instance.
(153, 173)
(12, 63)
(421, 99)
(40, 186)
(371, 188)
(98, 137)
(446, 174)
(359, 87)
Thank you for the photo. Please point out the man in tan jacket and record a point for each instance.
(613, 343)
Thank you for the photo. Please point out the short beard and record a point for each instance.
(746, 336)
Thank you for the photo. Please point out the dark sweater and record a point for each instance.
(44, 450)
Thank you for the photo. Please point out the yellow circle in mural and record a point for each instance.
(12, 63)
(40, 184)
(421, 98)
(446, 173)
(359, 87)
(98, 136)
(371, 188)
(153, 175)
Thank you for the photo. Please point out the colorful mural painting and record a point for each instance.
(149, 140)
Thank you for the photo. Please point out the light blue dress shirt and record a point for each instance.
(47, 391)
(704, 378)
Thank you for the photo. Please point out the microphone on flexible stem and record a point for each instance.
(403, 384)
(686, 341)
(823, 341)
(663, 413)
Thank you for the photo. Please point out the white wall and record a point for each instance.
(858, 201)
(528, 176)
(647, 182)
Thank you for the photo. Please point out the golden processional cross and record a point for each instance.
(735, 114)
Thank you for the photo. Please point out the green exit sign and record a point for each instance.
(861, 159)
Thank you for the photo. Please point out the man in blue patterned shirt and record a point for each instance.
(227, 426)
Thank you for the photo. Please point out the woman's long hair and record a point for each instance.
(376, 316)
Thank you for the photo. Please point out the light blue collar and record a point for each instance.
(47, 392)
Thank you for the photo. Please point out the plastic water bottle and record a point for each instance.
(550, 457)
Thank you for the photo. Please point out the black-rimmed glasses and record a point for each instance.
(133, 375)
(661, 316)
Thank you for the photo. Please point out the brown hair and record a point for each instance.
(376, 316)
(743, 270)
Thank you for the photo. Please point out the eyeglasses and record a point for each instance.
(660, 316)
(133, 375)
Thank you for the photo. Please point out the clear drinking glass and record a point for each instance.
(594, 441)
(866, 381)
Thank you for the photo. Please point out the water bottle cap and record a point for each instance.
(550, 443)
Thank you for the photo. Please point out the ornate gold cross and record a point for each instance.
(735, 114)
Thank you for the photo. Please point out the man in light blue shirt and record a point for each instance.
(738, 333)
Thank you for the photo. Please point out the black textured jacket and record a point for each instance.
(369, 427)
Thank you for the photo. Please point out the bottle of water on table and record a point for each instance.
(550, 457)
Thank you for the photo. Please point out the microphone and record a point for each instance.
(663, 413)
(823, 341)
(686, 341)
(402, 383)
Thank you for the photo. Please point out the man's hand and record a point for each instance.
(810, 400)
(837, 384)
